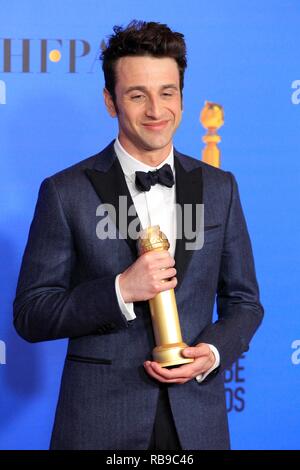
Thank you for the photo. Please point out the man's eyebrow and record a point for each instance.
(170, 85)
(135, 88)
(144, 89)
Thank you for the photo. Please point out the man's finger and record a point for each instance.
(164, 375)
(182, 372)
(197, 351)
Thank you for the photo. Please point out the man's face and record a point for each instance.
(148, 103)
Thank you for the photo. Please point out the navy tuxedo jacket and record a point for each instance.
(66, 289)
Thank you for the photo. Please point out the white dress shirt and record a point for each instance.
(154, 207)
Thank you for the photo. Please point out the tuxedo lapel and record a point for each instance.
(188, 191)
(109, 183)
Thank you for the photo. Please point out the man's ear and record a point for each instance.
(109, 103)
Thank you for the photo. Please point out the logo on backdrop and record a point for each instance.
(295, 357)
(44, 55)
(2, 92)
(2, 352)
(296, 94)
(235, 386)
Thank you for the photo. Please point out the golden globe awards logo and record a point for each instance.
(39, 55)
(235, 386)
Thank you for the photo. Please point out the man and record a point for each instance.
(76, 283)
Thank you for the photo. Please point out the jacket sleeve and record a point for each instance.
(238, 306)
(47, 306)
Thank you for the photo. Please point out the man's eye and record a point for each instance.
(137, 97)
(167, 94)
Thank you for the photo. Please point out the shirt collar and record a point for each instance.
(130, 164)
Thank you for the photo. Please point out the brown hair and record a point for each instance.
(141, 38)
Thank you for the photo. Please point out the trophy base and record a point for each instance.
(170, 355)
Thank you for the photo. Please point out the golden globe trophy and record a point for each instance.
(163, 307)
(211, 118)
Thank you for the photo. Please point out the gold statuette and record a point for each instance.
(212, 118)
(163, 309)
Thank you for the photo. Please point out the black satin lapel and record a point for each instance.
(188, 191)
(110, 185)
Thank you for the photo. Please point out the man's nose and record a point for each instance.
(153, 108)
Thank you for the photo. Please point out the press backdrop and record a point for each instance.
(244, 55)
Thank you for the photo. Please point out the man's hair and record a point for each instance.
(141, 38)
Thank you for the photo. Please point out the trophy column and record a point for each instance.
(163, 307)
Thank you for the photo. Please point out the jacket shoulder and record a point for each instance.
(74, 171)
(217, 185)
(208, 171)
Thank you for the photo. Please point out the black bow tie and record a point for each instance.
(164, 176)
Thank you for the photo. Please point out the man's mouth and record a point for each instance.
(155, 126)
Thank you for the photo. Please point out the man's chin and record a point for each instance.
(156, 144)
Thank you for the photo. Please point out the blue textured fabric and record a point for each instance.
(66, 290)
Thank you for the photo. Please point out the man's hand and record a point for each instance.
(151, 273)
(204, 360)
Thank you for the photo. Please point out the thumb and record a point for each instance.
(190, 352)
(196, 351)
